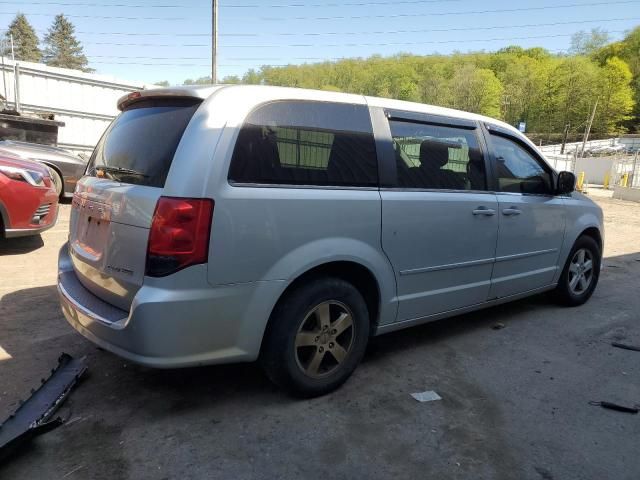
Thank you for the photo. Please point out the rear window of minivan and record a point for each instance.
(138, 147)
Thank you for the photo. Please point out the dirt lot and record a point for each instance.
(515, 400)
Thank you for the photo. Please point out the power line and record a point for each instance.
(353, 17)
(347, 4)
(441, 14)
(457, 29)
(433, 42)
(294, 5)
(352, 33)
(186, 45)
(119, 5)
(367, 44)
(102, 17)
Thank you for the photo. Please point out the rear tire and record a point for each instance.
(316, 337)
(581, 273)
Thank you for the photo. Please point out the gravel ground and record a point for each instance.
(514, 400)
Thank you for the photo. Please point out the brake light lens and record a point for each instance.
(179, 235)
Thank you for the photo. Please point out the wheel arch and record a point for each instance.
(594, 233)
(360, 276)
(580, 221)
(58, 171)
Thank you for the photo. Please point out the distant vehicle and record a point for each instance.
(28, 198)
(66, 168)
(235, 223)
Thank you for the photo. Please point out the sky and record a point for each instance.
(154, 40)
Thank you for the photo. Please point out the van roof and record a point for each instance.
(277, 93)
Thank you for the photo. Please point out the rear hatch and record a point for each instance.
(114, 203)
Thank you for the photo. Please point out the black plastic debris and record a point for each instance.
(35, 415)
(617, 407)
(626, 346)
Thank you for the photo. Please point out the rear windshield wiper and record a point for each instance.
(125, 171)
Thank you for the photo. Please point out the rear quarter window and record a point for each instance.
(306, 143)
(138, 147)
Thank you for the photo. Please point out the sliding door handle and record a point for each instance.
(509, 212)
(484, 211)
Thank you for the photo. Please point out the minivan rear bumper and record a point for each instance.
(171, 325)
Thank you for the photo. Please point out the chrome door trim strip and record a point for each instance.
(517, 256)
(482, 261)
(413, 271)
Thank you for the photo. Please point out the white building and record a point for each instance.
(85, 102)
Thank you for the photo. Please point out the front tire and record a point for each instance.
(581, 273)
(316, 337)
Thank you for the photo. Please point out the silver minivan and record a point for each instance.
(235, 223)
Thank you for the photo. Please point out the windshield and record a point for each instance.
(139, 145)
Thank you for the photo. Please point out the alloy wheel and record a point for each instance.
(581, 271)
(325, 339)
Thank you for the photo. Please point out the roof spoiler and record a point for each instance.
(133, 97)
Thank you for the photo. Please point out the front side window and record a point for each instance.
(437, 157)
(518, 171)
(306, 143)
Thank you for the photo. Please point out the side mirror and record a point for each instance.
(566, 183)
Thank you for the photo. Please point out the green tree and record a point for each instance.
(587, 43)
(477, 90)
(231, 79)
(630, 53)
(162, 83)
(523, 80)
(435, 84)
(62, 49)
(25, 40)
(253, 77)
(628, 49)
(616, 96)
(577, 83)
(198, 81)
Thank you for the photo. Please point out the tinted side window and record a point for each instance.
(306, 143)
(517, 170)
(437, 157)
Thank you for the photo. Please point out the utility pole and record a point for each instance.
(588, 130)
(214, 41)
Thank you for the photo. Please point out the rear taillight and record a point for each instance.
(179, 234)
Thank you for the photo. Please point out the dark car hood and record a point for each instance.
(43, 153)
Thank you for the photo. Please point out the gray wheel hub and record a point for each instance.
(581, 271)
(325, 339)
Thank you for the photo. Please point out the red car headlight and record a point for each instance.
(22, 175)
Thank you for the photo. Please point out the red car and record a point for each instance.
(28, 199)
